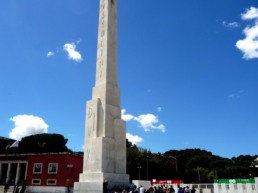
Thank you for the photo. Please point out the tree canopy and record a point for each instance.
(43, 143)
(158, 168)
(190, 162)
(212, 166)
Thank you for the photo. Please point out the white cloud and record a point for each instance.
(26, 125)
(160, 127)
(159, 109)
(249, 45)
(72, 54)
(230, 25)
(238, 94)
(79, 41)
(233, 24)
(50, 54)
(251, 13)
(134, 139)
(82, 146)
(147, 122)
(126, 117)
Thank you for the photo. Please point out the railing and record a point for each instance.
(201, 188)
(221, 188)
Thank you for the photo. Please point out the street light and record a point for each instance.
(147, 169)
(140, 167)
(216, 173)
(199, 175)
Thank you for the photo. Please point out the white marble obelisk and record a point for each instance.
(105, 132)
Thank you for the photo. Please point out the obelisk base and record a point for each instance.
(93, 182)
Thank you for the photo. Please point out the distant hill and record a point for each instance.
(211, 166)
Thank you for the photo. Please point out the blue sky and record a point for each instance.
(187, 71)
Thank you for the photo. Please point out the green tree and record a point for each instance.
(128, 143)
(202, 174)
(43, 143)
(242, 166)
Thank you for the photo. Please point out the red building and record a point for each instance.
(51, 172)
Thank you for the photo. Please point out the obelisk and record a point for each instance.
(105, 132)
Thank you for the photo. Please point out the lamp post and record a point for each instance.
(140, 167)
(199, 175)
(216, 173)
(147, 169)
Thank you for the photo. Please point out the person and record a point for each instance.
(180, 190)
(158, 188)
(151, 189)
(187, 190)
(128, 189)
(114, 188)
(6, 187)
(119, 189)
(135, 189)
(172, 190)
(164, 190)
(193, 190)
(105, 186)
(142, 190)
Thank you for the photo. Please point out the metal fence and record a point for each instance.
(201, 188)
(237, 188)
(221, 188)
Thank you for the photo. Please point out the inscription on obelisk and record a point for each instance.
(105, 132)
(107, 44)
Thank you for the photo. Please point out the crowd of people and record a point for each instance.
(151, 189)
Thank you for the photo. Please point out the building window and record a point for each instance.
(51, 182)
(36, 181)
(52, 168)
(37, 168)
